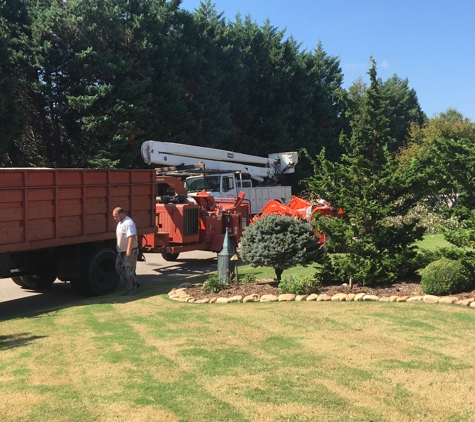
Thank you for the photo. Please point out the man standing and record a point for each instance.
(127, 250)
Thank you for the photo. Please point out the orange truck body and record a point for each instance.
(301, 209)
(43, 208)
(58, 223)
(198, 222)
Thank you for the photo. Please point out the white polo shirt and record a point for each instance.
(125, 229)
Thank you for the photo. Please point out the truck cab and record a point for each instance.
(218, 185)
(228, 185)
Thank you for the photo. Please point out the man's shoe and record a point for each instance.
(127, 293)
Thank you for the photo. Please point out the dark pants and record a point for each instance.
(125, 267)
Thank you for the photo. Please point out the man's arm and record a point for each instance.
(131, 241)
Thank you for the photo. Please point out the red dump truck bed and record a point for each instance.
(57, 224)
(43, 208)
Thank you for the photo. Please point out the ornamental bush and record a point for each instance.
(299, 285)
(213, 284)
(247, 278)
(444, 277)
(280, 242)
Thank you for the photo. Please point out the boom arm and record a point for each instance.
(172, 154)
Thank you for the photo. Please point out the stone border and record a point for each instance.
(179, 294)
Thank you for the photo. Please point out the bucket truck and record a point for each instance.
(224, 174)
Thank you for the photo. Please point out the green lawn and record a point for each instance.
(146, 358)
(433, 241)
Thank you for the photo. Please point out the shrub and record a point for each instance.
(444, 276)
(424, 257)
(213, 284)
(299, 285)
(280, 242)
(428, 216)
(247, 278)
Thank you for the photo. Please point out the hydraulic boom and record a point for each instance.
(217, 160)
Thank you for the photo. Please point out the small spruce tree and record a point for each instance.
(280, 242)
(366, 246)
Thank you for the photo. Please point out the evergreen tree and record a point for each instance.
(280, 242)
(399, 104)
(366, 246)
(441, 157)
(111, 77)
(12, 120)
(204, 79)
(17, 70)
(401, 107)
(94, 78)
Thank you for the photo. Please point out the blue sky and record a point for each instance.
(429, 42)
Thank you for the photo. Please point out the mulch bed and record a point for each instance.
(269, 286)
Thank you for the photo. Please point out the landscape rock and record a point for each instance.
(415, 299)
(180, 291)
(287, 297)
(206, 300)
(188, 292)
(465, 302)
(451, 300)
(222, 300)
(269, 298)
(431, 299)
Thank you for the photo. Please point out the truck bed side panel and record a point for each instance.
(42, 208)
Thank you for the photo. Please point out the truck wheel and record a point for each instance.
(39, 281)
(170, 256)
(19, 281)
(98, 274)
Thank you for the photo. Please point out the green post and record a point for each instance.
(225, 265)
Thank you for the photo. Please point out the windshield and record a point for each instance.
(197, 184)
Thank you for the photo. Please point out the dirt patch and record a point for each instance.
(270, 287)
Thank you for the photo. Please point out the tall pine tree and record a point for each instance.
(366, 246)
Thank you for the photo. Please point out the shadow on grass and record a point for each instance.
(17, 340)
(156, 279)
(25, 307)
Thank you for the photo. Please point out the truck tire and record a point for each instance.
(170, 256)
(39, 281)
(18, 281)
(98, 274)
